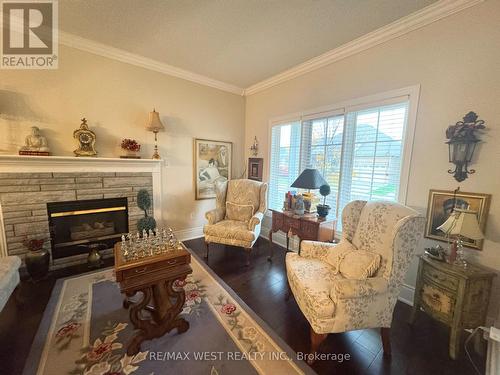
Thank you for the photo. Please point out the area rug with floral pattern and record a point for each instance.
(85, 330)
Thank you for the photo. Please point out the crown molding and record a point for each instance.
(113, 53)
(432, 13)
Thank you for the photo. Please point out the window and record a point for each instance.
(322, 149)
(358, 150)
(373, 150)
(285, 151)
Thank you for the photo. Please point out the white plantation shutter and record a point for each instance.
(359, 153)
(322, 150)
(285, 161)
(373, 149)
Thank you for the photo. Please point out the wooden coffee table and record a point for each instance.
(156, 311)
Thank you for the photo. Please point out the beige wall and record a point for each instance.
(116, 98)
(457, 63)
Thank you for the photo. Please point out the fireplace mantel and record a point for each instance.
(22, 164)
(13, 164)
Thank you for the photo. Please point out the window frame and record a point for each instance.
(410, 93)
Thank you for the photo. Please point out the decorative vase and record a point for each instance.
(94, 260)
(323, 210)
(128, 154)
(37, 263)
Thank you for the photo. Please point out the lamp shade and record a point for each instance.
(154, 123)
(309, 179)
(462, 223)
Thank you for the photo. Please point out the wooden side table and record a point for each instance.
(306, 227)
(154, 276)
(456, 296)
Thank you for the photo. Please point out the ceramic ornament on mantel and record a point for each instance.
(35, 144)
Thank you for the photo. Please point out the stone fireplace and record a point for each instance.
(72, 201)
(75, 225)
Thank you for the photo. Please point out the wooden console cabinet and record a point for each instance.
(306, 227)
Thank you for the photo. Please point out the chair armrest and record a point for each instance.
(348, 288)
(316, 249)
(215, 215)
(255, 220)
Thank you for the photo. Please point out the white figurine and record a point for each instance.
(35, 142)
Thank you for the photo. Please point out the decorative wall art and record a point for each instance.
(255, 166)
(212, 163)
(440, 207)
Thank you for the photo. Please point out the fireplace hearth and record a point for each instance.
(77, 225)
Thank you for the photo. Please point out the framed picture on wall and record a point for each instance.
(441, 204)
(255, 166)
(212, 163)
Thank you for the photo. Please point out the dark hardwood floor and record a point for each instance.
(263, 286)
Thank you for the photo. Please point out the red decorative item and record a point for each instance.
(132, 148)
(131, 145)
(34, 245)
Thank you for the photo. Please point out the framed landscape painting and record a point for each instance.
(212, 163)
(441, 204)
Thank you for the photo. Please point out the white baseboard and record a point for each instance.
(189, 234)
(406, 294)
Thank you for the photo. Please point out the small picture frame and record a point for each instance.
(440, 206)
(255, 166)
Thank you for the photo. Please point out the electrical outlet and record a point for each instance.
(495, 334)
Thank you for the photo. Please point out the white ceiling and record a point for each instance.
(240, 42)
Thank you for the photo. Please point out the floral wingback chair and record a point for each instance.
(237, 218)
(333, 303)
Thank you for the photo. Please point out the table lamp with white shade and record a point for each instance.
(461, 223)
(155, 125)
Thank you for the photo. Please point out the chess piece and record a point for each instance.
(124, 247)
(35, 144)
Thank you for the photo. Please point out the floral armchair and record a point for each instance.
(237, 218)
(332, 303)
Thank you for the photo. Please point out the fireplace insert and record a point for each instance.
(76, 225)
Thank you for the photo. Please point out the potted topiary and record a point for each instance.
(144, 203)
(323, 209)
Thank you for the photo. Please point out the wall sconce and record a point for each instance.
(254, 148)
(462, 143)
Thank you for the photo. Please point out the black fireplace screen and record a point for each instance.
(77, 224)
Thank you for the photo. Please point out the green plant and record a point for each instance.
(144, 203)
(324, 190)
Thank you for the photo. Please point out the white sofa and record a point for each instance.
(9, 277)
